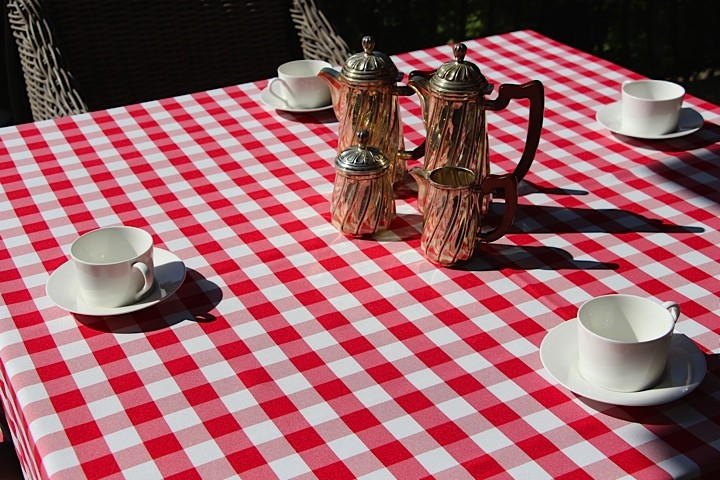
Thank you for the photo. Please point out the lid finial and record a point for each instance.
(362, 136)
(459, 50)
(368, 44)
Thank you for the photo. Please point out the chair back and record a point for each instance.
(86, 55)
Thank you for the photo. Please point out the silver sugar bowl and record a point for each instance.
(362, 201)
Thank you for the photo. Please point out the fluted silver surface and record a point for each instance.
(451, 217)
(362, 205)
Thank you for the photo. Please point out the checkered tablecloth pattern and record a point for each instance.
(292, 351)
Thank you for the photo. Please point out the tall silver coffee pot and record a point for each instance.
(365, 97)
(454, 106)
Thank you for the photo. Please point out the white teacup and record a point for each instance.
(650, 107)
(624, 340)
(113, 265)
(298, 86)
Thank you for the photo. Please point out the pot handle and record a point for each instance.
(508, 184)
(405, 91)
(414, 154)
(533, 91)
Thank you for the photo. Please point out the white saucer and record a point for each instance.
(169, 275)
(274, 102)
(685, 370)
(690, 121)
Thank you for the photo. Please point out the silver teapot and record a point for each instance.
(362, 202)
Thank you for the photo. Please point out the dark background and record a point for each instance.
(677, 40)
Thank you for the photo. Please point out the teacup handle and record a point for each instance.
(147, 277)
(508, 183)
(276, 81)
(674, 310)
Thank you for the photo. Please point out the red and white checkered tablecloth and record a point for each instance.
(292, 351)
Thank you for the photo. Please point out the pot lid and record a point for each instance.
(361, 159)
(459, 76)
(369, 65)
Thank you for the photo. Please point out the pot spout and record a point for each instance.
(332, 78)
(421, 176)
(419, 81)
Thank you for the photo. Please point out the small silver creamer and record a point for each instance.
(362, 201)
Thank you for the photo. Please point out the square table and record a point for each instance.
(293, 351)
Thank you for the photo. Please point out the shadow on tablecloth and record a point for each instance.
(687, 425)
(707, 136)
(697, 171)
(696, 410)
(194, 301)
(321, 117)
(498, 256)
(548, 219)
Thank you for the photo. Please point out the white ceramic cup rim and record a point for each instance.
(674, 90)
(649, 303)
(283, 69)
(146, 239)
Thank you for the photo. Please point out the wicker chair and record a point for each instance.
(85, 55)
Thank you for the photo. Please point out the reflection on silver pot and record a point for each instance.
(454, 112)
(453, 211)
(365, 97)
(362, 199)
